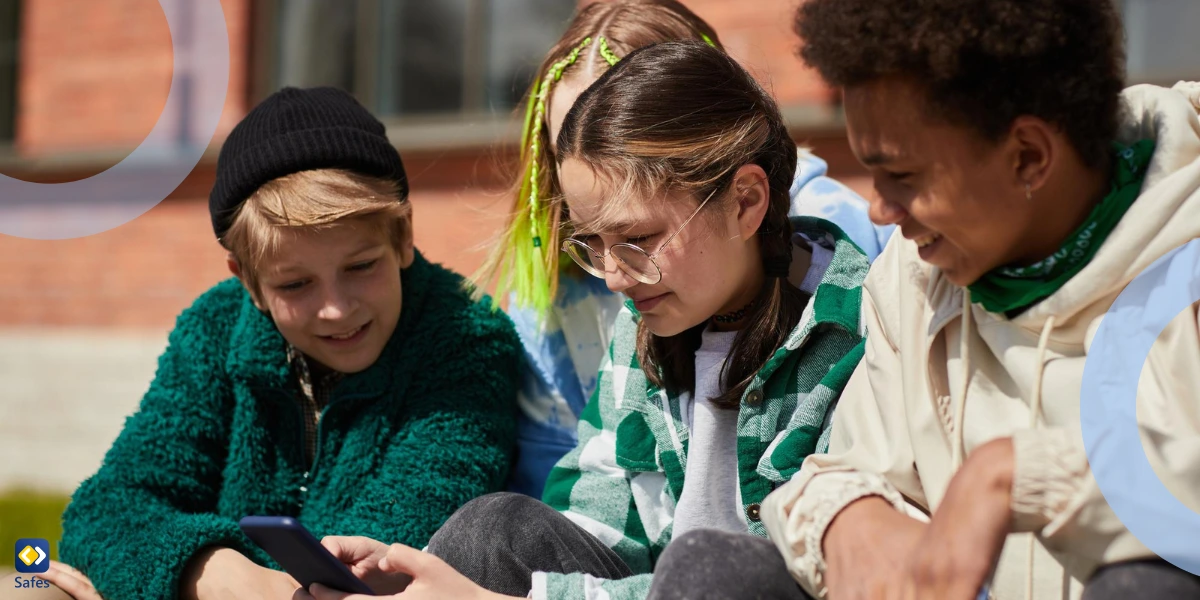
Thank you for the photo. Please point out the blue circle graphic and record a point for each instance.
(1108, 409)
(199, 83)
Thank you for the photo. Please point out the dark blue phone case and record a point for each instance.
(300, 554)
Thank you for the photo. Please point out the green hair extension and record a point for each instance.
(528, 273)
(608, 55)
(530, 276)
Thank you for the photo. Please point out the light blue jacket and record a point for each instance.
(815, 195)
(563, 355)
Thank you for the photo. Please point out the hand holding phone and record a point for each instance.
(366, 557)
(300, 554)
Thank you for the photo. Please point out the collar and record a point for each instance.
(258, 355)
(836, 296)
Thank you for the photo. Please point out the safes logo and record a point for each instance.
(33, 555)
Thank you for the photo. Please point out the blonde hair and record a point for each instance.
(313, 200)
(525, 258)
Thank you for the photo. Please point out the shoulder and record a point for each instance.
(216, 332)
(622, 379)
(623, 348)
(817, 195)
(220, 298)
(455, 316)
(905, 291)
(899, 271)
(841, 261)
(215, 312)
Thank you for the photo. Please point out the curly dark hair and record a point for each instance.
(982, 63)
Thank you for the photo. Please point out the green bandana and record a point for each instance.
(1010, 290)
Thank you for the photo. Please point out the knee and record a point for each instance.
(689, 547)
(709, 548)
(496, 511)
(707, 563)
(1152, 579)
(701, 545)
(488, 520)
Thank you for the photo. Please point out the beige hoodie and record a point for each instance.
(935, 385)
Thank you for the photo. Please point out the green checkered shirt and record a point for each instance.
(622, 480)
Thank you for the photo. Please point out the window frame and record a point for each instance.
(474, 125)
(11, 65)
(467, 129)
(1165, 77)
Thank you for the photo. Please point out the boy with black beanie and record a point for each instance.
(338, 378)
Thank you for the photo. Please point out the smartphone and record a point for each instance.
(300, 554)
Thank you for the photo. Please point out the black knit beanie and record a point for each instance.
(298, 130)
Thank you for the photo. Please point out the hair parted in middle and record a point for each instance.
(525, 259)
(683, 116)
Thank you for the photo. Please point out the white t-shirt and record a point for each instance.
(711, 497)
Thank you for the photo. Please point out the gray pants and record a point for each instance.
(706, 563)
(499, 541)
(1153, 579)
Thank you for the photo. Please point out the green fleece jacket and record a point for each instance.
(219, 436)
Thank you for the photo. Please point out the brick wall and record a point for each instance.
(81, 321)
(759, 34)
(140, 275)
(95, 75)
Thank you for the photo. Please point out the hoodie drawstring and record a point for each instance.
(960, 404)
(1035, 405)
(960, 401)
(1035, 412)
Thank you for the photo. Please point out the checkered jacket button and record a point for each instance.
(752, 513)
(754, 398)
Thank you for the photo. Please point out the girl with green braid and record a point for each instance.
(563, 316)
(741, 329)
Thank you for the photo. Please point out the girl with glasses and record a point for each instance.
(740, 329)
(564, 316)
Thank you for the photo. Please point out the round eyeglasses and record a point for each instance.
(629, 258)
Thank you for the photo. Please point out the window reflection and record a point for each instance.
(422, 58)
(316, 43)
(9, 28)
(416, 57)
(1161, 40)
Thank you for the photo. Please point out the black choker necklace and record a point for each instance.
(734, 316)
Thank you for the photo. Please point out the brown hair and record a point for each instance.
(684, 116)
(526, 263)
(313, 200)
